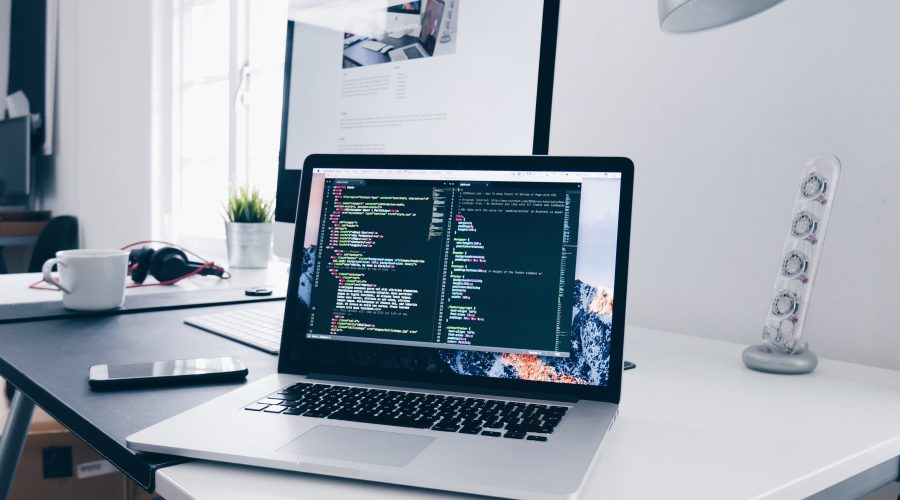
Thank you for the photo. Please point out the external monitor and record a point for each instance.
(406, 8)
(15, 156)
(485, 88)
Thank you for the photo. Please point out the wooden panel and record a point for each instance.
(22, 228)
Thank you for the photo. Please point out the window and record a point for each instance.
(226, 108)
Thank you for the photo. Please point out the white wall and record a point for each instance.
(104, 131)
(718, 125)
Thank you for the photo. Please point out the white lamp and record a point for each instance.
(688, 16)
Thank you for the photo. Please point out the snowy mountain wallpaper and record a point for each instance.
(588, 361)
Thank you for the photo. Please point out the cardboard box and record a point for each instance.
(55, 464)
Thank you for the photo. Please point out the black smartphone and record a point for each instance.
(167, 373)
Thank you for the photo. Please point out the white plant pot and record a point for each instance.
(249, 244)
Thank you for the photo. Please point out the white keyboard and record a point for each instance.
(255, 327)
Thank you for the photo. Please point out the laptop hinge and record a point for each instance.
(407, 384)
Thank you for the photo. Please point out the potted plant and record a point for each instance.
(248, 228)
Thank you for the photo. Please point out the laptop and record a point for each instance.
(431, 27)
(452, 322)
(403, 18)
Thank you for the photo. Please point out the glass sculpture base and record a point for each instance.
(765, 359)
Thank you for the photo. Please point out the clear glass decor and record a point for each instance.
(802, 249)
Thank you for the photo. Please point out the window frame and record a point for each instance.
(239, 74)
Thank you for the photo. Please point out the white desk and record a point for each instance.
(15, 292)
(14, 287)
(694, 423)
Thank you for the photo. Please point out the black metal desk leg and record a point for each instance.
(13, 440)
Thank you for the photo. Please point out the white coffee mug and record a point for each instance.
(91, 280)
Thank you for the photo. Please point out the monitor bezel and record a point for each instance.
(288, 183)
(295, 355)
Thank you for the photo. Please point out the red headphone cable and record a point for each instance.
(207, 264)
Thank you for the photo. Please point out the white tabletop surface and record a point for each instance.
(694, 423)
(14, 288)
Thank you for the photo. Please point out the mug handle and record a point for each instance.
(48, 274)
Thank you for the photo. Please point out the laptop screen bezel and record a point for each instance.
(295, 358)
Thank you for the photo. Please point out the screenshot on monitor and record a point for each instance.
(483, 84)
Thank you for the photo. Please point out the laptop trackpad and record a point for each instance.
(358, 445)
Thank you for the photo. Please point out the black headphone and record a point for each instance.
(167, 265)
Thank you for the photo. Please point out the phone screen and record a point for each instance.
(174, 368)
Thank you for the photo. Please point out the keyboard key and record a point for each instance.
(490, 433)
(370, 419)
(256, 407)
(514, 435)
(317, 413)
(529, 428)
(275, 409)
(536, 438)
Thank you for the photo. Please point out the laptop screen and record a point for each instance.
(501, 274)
(431, 24)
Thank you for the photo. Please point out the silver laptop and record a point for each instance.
(451, 324)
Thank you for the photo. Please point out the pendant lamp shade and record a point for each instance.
(688, 16)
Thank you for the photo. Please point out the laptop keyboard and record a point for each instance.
(486, 417)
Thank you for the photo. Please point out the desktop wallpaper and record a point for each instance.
(588, 362)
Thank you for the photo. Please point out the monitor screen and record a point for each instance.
(471, 88)
(406, 8)
(15, 154)
(431, 25)
(502, 274)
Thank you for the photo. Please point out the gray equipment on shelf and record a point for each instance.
(784, 349)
